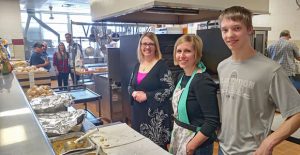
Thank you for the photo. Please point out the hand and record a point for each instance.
(264, 148)
(191, 147)
(140, 96)
(133, 94)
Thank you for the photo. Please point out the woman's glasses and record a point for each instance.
(148, 44)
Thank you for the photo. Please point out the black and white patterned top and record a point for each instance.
(152, 118)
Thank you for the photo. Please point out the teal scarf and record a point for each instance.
(182, 112)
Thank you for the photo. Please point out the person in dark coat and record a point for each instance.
(150, 88)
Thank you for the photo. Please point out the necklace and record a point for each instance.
(144, 68)
(147, 67)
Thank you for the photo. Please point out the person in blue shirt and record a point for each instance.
(37, 58)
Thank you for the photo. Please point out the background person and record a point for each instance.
(76, 56)
(150, 89)
(194, 101)
(61, 66)
(45, 54)
(285, 52)
(37, 59)
(251, 87)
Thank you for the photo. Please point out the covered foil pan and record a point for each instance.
(61, 122)
(83, 146)
(51, 104)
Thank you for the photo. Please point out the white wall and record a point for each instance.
(284, 14)
(10, 24)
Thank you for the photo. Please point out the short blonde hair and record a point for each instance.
(153, 37)
(237, 13)
(197, 45)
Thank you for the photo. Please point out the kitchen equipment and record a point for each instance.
(89, 51)
(167, 11)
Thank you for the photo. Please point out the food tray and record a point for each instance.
(62, 122)
(51, 104)
(58, 144)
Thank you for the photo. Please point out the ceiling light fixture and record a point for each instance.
(51, 13)
(67, 5)
(169, 10)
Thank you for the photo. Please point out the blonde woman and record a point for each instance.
(60, 63)
(194, 101)
(150, 89)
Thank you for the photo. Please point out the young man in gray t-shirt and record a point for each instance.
(252, 86)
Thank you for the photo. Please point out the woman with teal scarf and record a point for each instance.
(194, 101)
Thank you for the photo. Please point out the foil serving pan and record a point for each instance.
(61, 122)
(59, 144)
(51, 104)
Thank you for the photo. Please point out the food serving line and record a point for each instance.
(81, 94)
(24, 130)
(20, 131)
(110, 139)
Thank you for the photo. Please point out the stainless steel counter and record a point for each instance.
(20, 132)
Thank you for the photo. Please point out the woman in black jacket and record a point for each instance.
(150, 89)
(194, 101)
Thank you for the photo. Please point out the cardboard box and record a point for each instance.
(34, 78)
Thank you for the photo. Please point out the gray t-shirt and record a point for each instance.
(251, 90)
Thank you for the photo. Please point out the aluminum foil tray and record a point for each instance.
(51, 104)
(62, 122)
(58, 144)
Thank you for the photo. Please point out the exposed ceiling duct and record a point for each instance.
(168, 11)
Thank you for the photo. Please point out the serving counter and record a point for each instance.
(20, 131)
